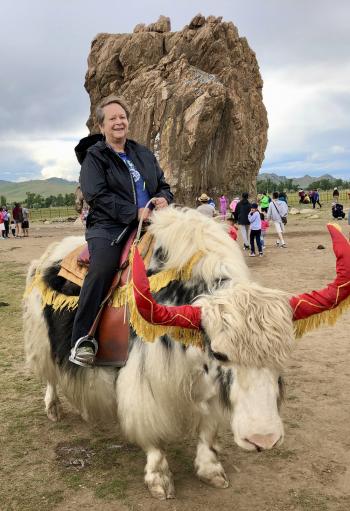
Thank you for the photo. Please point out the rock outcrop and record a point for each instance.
(195, 98)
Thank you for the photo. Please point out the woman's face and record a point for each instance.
(115, 125)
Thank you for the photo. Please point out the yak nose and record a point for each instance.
(264, 441)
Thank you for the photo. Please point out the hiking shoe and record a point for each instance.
(277, 243)
(251, 255)
(84, 351)
(283, 245)
(261, 254)
(245, 247)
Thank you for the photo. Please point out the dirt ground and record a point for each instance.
(70, 464)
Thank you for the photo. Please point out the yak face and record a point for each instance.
(248, 325)
(255, 397)
(250, 329)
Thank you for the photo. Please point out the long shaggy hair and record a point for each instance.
(157, 392)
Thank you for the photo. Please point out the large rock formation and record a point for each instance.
(195, 98)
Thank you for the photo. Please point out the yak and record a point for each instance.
(169, 387)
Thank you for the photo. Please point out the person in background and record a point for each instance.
(233, 206)
(264, 202)
(232, 229)
(283, 197)
(255, 229)
(223, 206)
(25, 222)
(264, 226)
(335, 194)
(315, 198)
(2, 224)
(13, 228)
(18, 218)
(211, 203)
(277, 210)
(349, 222)
(121, 181)
(7, 218)
(301, 194)
(205, 208)
(337, 211)
(241, 216)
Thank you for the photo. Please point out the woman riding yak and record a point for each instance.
(118, 178)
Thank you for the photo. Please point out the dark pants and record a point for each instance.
(255, 235)
(316, 202)
(7, 227)
(104, 260)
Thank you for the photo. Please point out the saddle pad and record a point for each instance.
(113, 329)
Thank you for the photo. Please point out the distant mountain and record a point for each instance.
(44, 187)
(303, 182)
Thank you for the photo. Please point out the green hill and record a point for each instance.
(45, 187)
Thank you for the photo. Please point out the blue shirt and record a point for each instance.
(142, 194)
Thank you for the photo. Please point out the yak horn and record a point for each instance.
(310, 310)
(184, 316)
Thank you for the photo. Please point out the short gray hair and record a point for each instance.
(100, 115)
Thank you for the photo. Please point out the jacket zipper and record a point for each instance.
(119, 159)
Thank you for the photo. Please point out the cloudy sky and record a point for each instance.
(302, 47)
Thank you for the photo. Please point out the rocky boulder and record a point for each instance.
(195, 98)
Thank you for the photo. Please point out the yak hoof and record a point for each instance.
(161, 486)
(54, 411)
(216, 478)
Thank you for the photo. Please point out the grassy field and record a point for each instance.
(42, 214)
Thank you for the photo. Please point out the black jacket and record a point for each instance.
(241, 212)
(107, 185)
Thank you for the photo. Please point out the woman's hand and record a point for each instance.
(144, 212)
(160, 202)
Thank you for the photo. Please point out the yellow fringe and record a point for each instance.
(329, 317)
(124, 296)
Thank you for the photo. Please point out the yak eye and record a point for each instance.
(220, 356)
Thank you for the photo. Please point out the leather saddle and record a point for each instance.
(112, 333)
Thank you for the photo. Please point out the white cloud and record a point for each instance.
(54, 157)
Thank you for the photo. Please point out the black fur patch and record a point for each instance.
(282, 390)
(159, 258)
(166, 342)
(59, 284)
(225, 379)
(180, 293)
(60, 324)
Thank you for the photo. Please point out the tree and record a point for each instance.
(3, 200)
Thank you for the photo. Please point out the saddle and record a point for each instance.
(112, 323)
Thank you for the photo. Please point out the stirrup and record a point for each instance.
(84, 359)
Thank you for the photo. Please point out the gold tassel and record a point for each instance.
(124, 296)
(328, 317)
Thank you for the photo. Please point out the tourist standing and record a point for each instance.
(241, 215)
(264, 226)
(25, 221)
(255, 229)
(18, 218)
(264, 202)
(315, 199)
(7, 217)
(335, 194)
(204, 206)
(223, 206)
(277, 212)
(2, 224)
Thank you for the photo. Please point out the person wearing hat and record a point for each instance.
(204, 206)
